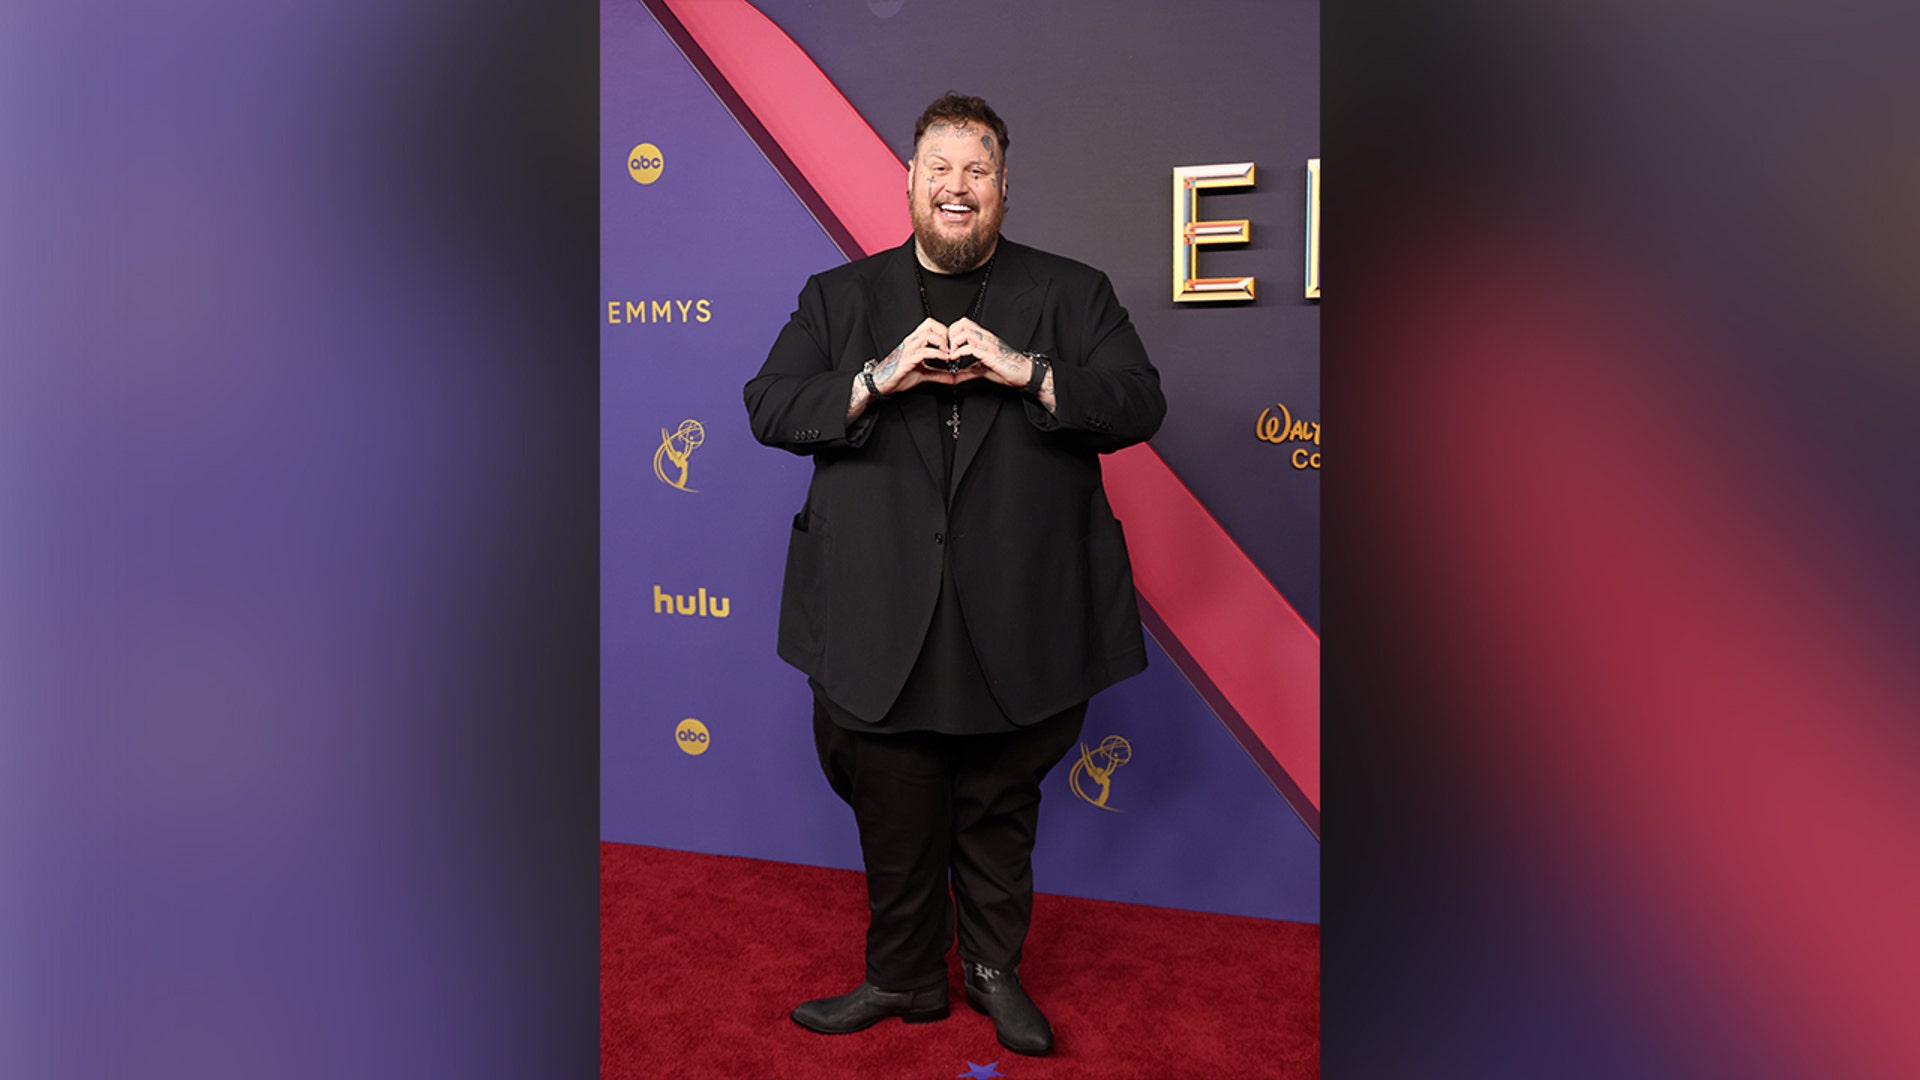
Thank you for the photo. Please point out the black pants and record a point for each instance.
(933, 808)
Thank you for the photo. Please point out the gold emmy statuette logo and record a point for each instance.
(691, 736)
(645, 163)
(1098, 765)
(676, 448)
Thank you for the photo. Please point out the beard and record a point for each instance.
(957, 255)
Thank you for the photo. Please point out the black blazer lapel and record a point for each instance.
(1011, 312)
(896, 311)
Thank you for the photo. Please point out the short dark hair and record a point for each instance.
(955, 108)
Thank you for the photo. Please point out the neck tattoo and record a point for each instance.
(920, 279)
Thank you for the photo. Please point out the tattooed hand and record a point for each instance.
(998, 362)
(920, 357)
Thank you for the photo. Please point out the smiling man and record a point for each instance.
(957, 587)
(958, 193)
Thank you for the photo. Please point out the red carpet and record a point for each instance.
(702, 956)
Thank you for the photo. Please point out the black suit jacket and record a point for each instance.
(1039, 561)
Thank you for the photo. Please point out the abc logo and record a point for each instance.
(645, 163)
(691, 736)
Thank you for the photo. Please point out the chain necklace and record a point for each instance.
(920, 279)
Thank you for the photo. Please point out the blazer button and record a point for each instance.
(939, 539)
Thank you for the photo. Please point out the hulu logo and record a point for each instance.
(699, 604)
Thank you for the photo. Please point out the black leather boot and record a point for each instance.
(867, 1005)
(1016, 1019)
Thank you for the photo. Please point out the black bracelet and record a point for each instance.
(1041, 365)
(866, 372)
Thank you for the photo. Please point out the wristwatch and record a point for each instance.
(1041, 365)
(866, 372)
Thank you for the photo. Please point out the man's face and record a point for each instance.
(957, 192)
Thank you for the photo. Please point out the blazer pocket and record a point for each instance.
(803, 593)
(1115, 609)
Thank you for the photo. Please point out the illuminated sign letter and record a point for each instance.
(1189, 234)
(1313, 228)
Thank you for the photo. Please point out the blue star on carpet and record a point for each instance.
(981, 1072)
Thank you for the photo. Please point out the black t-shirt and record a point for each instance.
(952, 297)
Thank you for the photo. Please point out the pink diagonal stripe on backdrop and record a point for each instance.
(855, 173)
(1248, 641)
(1253, 646)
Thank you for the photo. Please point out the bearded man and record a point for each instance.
(957, 586)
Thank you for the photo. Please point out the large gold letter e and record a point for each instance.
(1189, 234)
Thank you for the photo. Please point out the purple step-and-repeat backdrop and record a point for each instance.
(706, 742)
